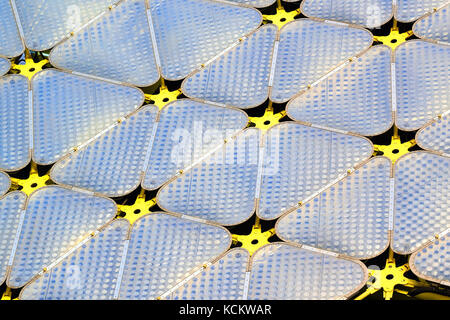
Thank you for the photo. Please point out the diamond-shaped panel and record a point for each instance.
(240, 77)
(5, 65)
(436, 135)
(356, 98)
(310, 49)
(89, 273)
(422, 186)
(435, 26)
(432, 262)
(351, 217)
(222, 187)
(164, 249)
(56, 219)
(191, 32)
(112, 164)
(285, 272)
(187, 130)
(15, 130)
(5, 183)
(46, 22)
(423, 82)
(410, 10)
(368, 13)
(11, 44)
(300, 160)
(129, 56)
(11, 207)
(71, 109)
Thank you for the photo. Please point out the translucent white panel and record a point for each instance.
(56, 219)
(422, 186)
(224, 280)
(115, 46)
(309, 49)
(423, 82)
(191, 32)
(410, 10)
(5, 183)
(11, 44)
(71, 109)
(10, 208)
(15, 119)
(240, 77)
(113, 163)
(164, 249)
(285, 272)
(89, 273)
(46, 22)
(433, 261)
(300, 160)
(5, 65)
(222, 187)
(368, 13)
(253, 3)
(356, 98)
(435, 26)
(187, 130)
(351, 217)
(436, 135)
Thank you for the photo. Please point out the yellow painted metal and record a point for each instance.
(268, 120)
(163, 97)
(7, 295)
(395, 149)
(30, 68)
(256, 239)
(386, 279)
(137, 209)
(431, 296)
(281, 17)
(32, 183)
(395, 38)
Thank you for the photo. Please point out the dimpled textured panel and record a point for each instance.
(254, 3)
(423, 82)
(56, 219)
(285, 272)
(351, 217)
(5, 183)
(300, 160)
(10, 208)
(187, 130)
(410, 10)
(10, 42)
(124, 30)
(436, 135)
(422, 186)
(190, 32)
(433, 261)
(164, 250)
(309, 49)
(222, 187)
(70, 109)
(15, 129)
(435, 26)
(46, 22)
(356, 98)
(240, 77)
(5, 65)
(89, 273)
(224, 280)
(113, 163)
(368, 13)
